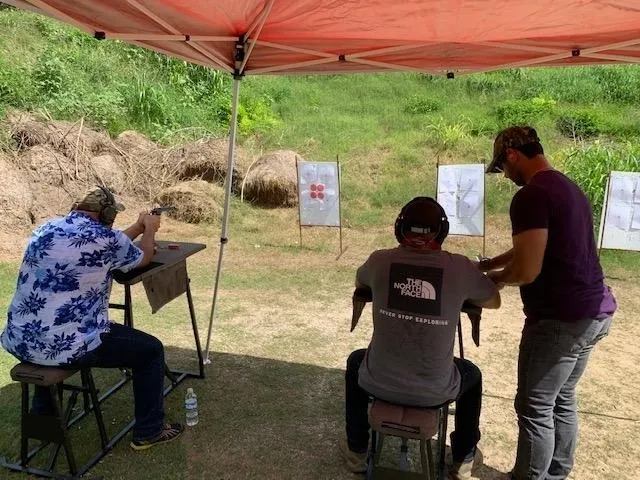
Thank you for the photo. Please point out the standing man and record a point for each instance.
(567, 305)
(418, 290)
(59, 313)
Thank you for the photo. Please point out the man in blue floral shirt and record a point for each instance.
(59, 313)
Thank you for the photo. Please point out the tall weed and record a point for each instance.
(589, 167)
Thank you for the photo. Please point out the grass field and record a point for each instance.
(272, 403)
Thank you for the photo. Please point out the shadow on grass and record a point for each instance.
(259, 418)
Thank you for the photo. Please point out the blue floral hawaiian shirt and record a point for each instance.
(61, 303)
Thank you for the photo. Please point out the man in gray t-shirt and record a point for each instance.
(417, 291)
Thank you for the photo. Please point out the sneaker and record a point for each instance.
(356, 462)
(460, 470)
(169, 432)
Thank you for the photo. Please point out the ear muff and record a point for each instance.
(402, 227)
(107, 215)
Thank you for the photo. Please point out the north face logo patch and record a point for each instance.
(415, 289)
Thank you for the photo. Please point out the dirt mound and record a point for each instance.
(272, 180)
(16, 198)
(45, 164)
(72, 139)
(107, 172)
(206, 159)
(53, 201)
(195, 201)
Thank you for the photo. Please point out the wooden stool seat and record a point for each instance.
(40, 375)
(52, 427)
(407, 423)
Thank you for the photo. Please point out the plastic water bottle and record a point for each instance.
(191, 407)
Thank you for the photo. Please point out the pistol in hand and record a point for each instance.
(160, 210)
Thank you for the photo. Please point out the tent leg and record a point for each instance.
(227, 199)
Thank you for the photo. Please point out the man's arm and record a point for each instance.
(136, 229)
(526, 263)
(147, 245)
(492, 302)
(478, 287)
(496, 262)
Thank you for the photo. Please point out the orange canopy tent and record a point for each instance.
(311, 36)
(451, 37)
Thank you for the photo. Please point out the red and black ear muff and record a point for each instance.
(107, 215)
(402, 227)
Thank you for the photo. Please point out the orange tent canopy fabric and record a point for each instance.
(330, 36)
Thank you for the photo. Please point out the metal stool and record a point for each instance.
(407, 423)
(53, 428)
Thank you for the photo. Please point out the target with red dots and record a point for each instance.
(319, 192)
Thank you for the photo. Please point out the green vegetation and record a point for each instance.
(389, 130)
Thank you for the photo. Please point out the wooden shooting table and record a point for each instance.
(162, 265)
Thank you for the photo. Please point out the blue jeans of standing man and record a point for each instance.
(126, 347)
(553, 357)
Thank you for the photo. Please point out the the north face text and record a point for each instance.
(414, 287)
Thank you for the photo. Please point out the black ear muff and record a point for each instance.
(402, 227)
(107, 215)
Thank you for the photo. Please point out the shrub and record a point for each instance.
(48, 75)
(579, 123)
(13, 90)
(444, 135)
(255, 116)
(524, 112)
(420, 105)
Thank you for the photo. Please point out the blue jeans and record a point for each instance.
(464, 438)
(553, 357)
(125, 347)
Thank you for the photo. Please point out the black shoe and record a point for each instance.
(169, 432)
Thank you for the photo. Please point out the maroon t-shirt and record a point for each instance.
(571, 284)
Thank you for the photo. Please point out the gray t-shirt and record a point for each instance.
(417, 297)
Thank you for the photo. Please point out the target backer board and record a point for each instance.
(319, 193)
(620, 220)
(460, 191)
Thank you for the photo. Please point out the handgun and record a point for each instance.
(159, 210)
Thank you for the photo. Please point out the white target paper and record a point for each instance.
(319, 193)
(461, 194)
(620, 220)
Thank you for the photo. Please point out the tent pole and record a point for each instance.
(227, 199)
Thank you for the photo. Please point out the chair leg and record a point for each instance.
(24, 440)
(85, 391)
(371, 457)
(426, 459)
(91, 387)
(57, 409)
(403, 460)
(442, 440)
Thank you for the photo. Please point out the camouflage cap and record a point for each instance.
(95, 200)
(512, 137)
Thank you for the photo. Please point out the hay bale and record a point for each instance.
(195, 201)
(16, 198)
(72, 139)
(107, 172)
(206, 159)
(272, 181)
(133, 143)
